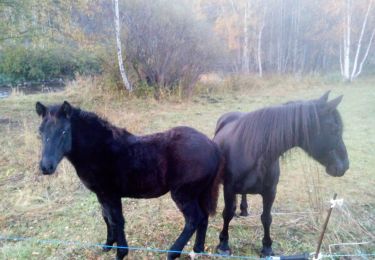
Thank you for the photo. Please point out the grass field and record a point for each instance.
(59, 207)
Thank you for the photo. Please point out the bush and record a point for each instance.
(167, 46)
(19, 63)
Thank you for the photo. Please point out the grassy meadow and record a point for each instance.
(59, 206)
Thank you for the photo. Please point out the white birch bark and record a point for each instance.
(296, 36)
(341, 65)
(119, 52)
(245, 51)
(359, 45)
(260, 44)
(366, 54)
(346, 46)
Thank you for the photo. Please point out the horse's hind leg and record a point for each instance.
(193, 217)
(228, 213)
(244, 206)
(201, 235)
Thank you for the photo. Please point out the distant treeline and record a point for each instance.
(169, 44)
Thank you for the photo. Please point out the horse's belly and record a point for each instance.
(143, 186)
(144, 193)
(249, 184)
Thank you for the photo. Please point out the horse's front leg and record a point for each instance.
(112, 210)
(228, 213)
(266, 217)
(111, 232)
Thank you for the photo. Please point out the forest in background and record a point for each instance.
(168, 44)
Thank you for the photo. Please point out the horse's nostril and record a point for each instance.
(47, 167)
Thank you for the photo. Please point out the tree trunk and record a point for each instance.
(347, 31)
(245, 51)
(341, 65)
(359, 45)
(366, 54)
(296, 36)
(119, 52)
(260, 44)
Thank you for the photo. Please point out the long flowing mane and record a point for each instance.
(271, 131)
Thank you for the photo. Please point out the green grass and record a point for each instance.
(59, 207)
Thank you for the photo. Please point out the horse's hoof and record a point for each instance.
(266, 251)
(121, 253)
(173, 255)
(244, 214)
(223, 251)
(107, 247)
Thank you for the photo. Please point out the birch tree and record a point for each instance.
(260, 69)
(348, 73)
(357, 70)
(245, 52)
(119, 52)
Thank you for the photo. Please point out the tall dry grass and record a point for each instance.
(58, 206)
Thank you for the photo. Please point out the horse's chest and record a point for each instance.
(93, 180)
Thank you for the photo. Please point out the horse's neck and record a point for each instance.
(92, 140)
(293, 133)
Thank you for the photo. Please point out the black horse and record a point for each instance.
(253, 142)
(114, 163)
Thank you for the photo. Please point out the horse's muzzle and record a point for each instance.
(47, 168)
(338, 170)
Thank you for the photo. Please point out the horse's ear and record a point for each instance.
(332, 105)
(40, 109)
(66, 109)
(323, 99)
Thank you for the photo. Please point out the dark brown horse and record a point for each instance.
(253, 142)
(114, 163)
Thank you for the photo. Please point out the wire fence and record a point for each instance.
(80, 244)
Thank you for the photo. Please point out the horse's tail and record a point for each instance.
(211, 197)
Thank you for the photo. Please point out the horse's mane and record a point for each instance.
(116, 132)
(272, 130)
(91, 118)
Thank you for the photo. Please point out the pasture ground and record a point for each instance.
(59, 207)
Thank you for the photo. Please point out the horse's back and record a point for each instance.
(227, 118)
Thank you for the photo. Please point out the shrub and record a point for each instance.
(19, 63)
(167, 46)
